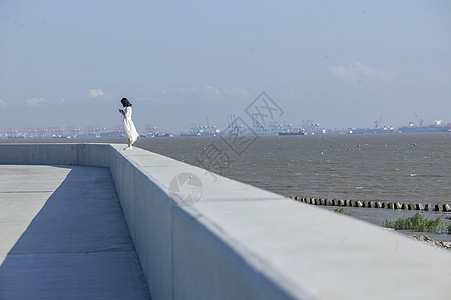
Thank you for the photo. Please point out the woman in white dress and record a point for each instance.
(129, 127)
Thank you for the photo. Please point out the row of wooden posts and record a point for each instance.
(375, 204)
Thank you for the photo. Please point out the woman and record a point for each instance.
(129, 127)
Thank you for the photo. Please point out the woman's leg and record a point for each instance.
(129, 142)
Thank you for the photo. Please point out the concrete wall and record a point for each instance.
(240, 242)
(52, 154)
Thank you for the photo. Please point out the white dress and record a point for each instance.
(129, 127)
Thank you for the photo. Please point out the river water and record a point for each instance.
(383, 167)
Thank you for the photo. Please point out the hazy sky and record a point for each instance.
(340, 63)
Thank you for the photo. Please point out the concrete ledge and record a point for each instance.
(44, 154)
(97, 155)
(241, 242)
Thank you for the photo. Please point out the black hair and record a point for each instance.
(125, 102)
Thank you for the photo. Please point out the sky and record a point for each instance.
(340, 63)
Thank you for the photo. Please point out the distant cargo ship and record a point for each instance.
(164, 135)
(371, 130)
(291, 133)
(437, 127)
(112, 134)
(203, 133)
(189, 134)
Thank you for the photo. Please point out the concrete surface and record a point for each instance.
(241, 242)
(63, 236)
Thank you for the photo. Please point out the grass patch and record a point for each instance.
(344, 211)
(419, 224)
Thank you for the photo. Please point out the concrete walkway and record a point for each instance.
(63, 236)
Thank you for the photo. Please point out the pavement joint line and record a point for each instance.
(25, 192)
(244, 199)
(71, 252)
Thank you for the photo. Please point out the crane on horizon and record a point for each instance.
(420, 121)
(376, 123)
